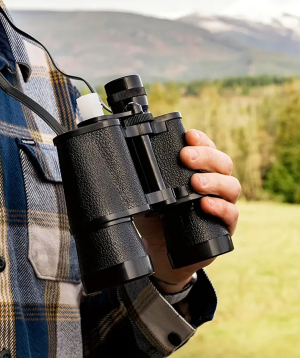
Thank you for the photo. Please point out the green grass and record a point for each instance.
(258, 286)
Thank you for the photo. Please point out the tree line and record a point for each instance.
(256, 120)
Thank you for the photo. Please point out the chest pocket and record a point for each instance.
(52, 250)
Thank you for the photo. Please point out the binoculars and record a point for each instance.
(118, 165)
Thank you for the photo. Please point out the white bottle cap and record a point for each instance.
(90, 106)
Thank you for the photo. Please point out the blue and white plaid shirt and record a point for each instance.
(43, 310)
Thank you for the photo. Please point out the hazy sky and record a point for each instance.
(255, 9)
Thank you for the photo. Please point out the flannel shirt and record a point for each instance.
(43, 309)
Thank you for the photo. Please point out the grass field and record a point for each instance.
(258, 286)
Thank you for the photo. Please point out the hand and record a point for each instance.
(201, 153)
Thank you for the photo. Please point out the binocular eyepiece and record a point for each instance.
(116, 166)
(122, 91)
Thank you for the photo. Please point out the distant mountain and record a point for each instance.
(279, 36)
(103, 45)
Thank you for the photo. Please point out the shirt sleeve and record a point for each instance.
(134, 320)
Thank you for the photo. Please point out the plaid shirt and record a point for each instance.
(43, 309)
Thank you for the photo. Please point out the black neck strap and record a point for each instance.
(31, 104)
(27, 101)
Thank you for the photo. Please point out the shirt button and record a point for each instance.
(2, 266)
(5, 354)
(174, 339)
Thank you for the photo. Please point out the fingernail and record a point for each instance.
(203, 179)
(211, 202)
(193, 153)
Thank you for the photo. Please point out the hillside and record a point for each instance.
(281, 35)
(103, 45)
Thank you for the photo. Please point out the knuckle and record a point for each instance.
(238, 187)
(212, 144)
(236, 213)
(230, 212)
(226, 209)
(218, 187)
(229, 164)
(209, 153)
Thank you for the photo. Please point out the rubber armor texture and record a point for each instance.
(166, 147)
(98, 175)
(99, 178)
(187, 225)
(109, 246)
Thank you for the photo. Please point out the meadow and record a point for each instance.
(258, 287)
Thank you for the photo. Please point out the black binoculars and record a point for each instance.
(118, 165)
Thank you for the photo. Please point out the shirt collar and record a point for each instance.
(17, 53)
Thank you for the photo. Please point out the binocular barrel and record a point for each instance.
(102, 193)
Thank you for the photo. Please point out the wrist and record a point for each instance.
(166, 287)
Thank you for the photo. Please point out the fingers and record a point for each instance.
(224, 210)
(195, 137)
(201, 154)
(206, 158)
(227, 187)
